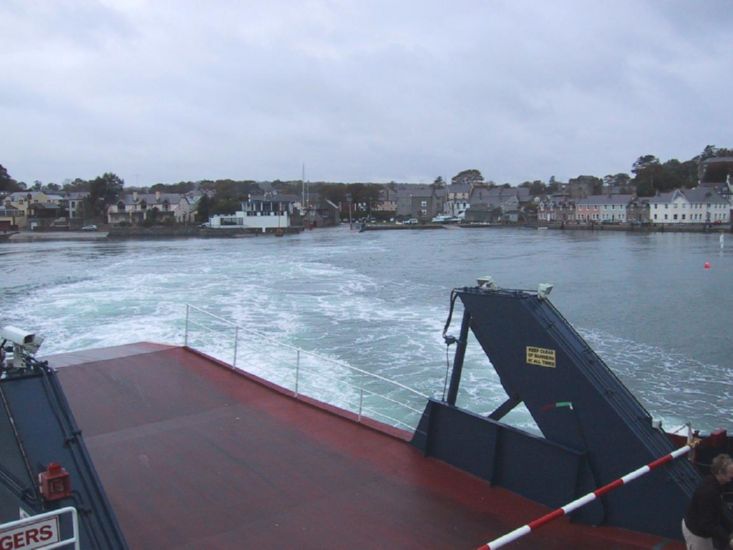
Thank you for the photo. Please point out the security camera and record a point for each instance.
(544, 289)
(486, 282)
(24, 343)
(16, 335)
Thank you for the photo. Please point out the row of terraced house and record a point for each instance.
(707, 204)
(37, 210)
(479, 203)
(700, 205)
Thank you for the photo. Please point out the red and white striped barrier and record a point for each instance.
(582, 501)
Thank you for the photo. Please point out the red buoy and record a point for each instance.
(706, 265)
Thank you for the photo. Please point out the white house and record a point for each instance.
(457, 196)
(689, 206)
(75, 204)
(134, 208)
(263, 212)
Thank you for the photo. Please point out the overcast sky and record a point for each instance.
(369, 90)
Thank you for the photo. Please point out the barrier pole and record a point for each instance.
(582, 501)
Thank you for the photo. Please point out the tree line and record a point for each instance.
(648, 175)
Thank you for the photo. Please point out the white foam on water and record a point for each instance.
(375, 301)
(658, 378)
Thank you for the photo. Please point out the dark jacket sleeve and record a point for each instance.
(705, 514)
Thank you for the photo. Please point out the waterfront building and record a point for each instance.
(602, 208)
(75, 207)
(264, 211)
(717, 173)
(137, 208)
(494, 204)
(457, 199)
(418, 200)
(556, 208)
(35, 209)
(700, 205)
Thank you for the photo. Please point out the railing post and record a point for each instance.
(236, 340)
(297, 371)
(75, 524)
(185, 337)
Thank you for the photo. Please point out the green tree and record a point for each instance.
(620, 180)
(203, 208)
(6, 182)
(103, 191)
(77, 186)
(180, 187)
(676, 174)
(468, 176)
(537, 187)
(711, 151)
(335, 192)
(647, 175)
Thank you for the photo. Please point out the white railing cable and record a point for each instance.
(310, 353)
(301, 371)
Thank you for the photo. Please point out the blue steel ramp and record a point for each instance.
(594, 429)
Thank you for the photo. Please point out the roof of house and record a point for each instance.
(151, 198)
(601, 200)
(694, 196)
(414, 190)
(458, 188)
(280, 197)
(496, 196)
(35, 195)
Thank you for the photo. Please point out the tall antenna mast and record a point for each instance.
(307, 187)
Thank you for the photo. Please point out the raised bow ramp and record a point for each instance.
(594, 429)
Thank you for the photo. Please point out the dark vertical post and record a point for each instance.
(455, 378)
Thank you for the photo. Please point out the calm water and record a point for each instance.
(378, 300)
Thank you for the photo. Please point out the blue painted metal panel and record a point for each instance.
(47, 432)
(543, 361)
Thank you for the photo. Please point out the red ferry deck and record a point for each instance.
(195, 454)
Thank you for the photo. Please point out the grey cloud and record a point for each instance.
(359, 91)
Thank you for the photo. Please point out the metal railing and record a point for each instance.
(51, 531)
(304, 372)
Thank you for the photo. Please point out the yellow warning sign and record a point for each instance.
(542, 357)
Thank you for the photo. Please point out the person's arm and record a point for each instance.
(709, 514)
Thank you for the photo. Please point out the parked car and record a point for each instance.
(91, 227)
(411, 221)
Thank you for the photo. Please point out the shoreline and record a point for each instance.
(29, 236)
(116, 234)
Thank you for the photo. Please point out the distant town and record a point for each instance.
(691, 195)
